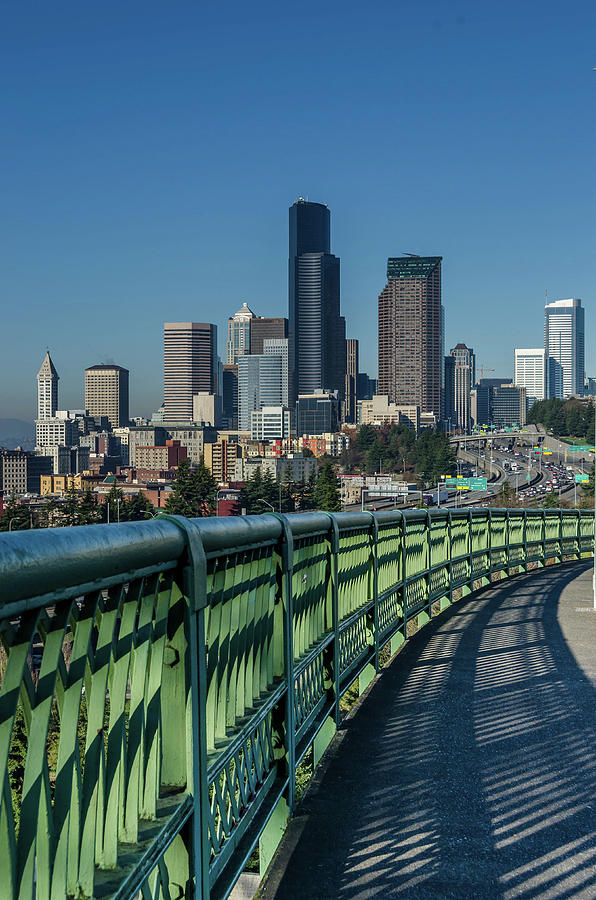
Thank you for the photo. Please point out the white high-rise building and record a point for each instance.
(47, 389)
(564, 348)
(530, 372)
(238, 342)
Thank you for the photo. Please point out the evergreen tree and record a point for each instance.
(138, 508)
(326, 492)
(307, 493)
(194, 491)
(15, 516)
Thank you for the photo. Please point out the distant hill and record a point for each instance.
(16, 433)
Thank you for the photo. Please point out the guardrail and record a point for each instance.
(161, 681)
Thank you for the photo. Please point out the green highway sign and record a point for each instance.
(466, 484)
(528, 478)
(582, 448)
(582, 479)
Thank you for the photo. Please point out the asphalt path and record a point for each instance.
(469, 769)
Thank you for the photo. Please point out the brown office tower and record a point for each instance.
(263, 329)
(190, 366)
(410, 333)
(351, 379)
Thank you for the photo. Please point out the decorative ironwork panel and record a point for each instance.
(389, 556)
(311, 573)
(354, 566)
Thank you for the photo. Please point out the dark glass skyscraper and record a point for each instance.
(317, 331)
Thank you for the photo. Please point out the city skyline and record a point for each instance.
(177, 222)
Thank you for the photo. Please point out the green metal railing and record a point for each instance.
(161, 681)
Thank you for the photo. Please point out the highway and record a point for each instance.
(548, 472)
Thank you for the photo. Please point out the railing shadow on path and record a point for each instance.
(470, 769)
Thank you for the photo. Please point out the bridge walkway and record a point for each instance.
(469, 771)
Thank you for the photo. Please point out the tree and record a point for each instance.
(367, 435)
(307, 493)
(326, 493)
(15, 516)
(194, 491)
(138, 508)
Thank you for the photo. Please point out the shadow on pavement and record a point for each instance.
(470, 769)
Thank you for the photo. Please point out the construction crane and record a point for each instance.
(483, 369)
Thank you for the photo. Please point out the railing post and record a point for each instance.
(333, 544)
(490, 546)
(286, 554)
(470, 549)
(404, 576)
(450, 559)
(429, 561)
(525, 540)
(195, 590)
(507, 542)
(375, 586)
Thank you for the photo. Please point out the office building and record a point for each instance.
(190, 366)
(13, 472)
(410, 333)
(379, 411)
(508, 402)
(106, 393)
(317, 413)
(564, 348)
(263, 329)
(351, 389)
(449, 393)
(270, 423)
(47, 389)
(56, 431)
(230, 396)
(366, 387)
(530, 373)
(160, 458)
(462, 379)
(262, 381)
(317, 331)
(238, 342)
(207, 409)
(294, 466)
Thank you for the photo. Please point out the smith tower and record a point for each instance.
(317, 331)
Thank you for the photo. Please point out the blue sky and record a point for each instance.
(150, 152)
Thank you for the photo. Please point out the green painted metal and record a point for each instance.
(161, 681)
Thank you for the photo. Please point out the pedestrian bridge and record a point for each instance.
(162, 682)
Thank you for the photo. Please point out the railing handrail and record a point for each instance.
(187, 666)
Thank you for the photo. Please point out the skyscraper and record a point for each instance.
(264, 329)
(106, 393)
(47, 389)
(317, 331)
(238, 341)
(464, 378)
(262, 381)
(351, 391)
(530, 373)
(410, 325)
(564, 347)
(190, 366)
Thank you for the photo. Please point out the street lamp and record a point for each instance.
(262, 500)
(118, 501)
